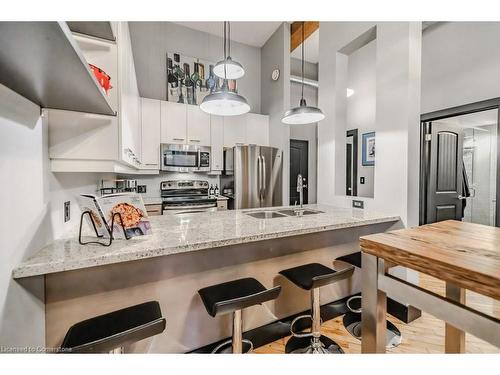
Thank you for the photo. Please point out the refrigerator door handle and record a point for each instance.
(264, 181)
(259, 173)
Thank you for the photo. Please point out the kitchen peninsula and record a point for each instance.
(186, 253)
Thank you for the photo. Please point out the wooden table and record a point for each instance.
(464, 255)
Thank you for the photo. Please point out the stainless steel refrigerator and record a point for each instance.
(257, 176)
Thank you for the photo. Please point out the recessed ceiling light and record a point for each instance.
(350, 92)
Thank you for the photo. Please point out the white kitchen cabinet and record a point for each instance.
(173, 122)
(129, 100)
(217, 143)
(257, 129)
(84, 142)
(81, 136)
(150, 133)
(198, 126)
(234, 130)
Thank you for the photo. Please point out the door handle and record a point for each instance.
(259, 178)
(199, 158)
(461, 197)
(263, 175)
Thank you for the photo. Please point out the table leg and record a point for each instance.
(454, 337)
(374, 306)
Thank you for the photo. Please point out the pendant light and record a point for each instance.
(228, 68)
(223, 101)
(303, 114)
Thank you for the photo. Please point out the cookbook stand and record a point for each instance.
(127, 237)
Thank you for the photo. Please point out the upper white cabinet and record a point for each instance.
(234, 130)
(173, 122)
(198, 126)
(81, 136)
(217, 143)
(85, 142)
(257, 129)
(150, 133)
(184, 124)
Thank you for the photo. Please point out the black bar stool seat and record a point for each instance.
(110, 331)
(236, 295)
(352, 319)
(354, 259)
(311, 277)
(232, 297)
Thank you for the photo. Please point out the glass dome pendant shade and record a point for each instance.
(228, 68)
(303, 114)
(224, 102)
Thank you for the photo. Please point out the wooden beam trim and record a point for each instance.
(296, 32)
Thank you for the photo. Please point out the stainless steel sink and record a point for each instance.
(299, 212)
(265, 214)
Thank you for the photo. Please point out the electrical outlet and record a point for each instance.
(358, 204)
(141, 189)
(67, 211)
(362, 180)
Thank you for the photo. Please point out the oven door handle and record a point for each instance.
(193, 207)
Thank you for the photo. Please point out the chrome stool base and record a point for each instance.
(309, 345)
(352, 323)
(227, 348)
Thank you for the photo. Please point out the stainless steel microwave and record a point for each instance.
(184, 158)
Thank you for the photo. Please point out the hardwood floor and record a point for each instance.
(424, 335)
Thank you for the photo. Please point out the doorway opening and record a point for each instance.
(299, 161)
(351, 178)
(460, 164)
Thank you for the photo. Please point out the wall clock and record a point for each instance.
(275, 75)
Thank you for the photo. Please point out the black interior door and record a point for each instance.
(298, 164)
(444, 200)
(348, 167)
(351, 178)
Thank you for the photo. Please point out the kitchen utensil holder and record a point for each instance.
(111, 238)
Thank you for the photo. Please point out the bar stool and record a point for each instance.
(232, 297)
(311, 277)
(352, 319)
(110, 332)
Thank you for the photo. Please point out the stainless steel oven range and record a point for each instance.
(186, 197)
(185, 158)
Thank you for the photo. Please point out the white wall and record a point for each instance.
(152, 40)
(460, 64)
(397, 115)
(32, 199)
(310, 69)
(275, 95)
(397, 118)
(361, 77)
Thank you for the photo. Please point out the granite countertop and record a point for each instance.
(179, 234)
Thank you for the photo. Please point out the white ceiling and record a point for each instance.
(473, 120)
(311, 48)
(251, 33)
